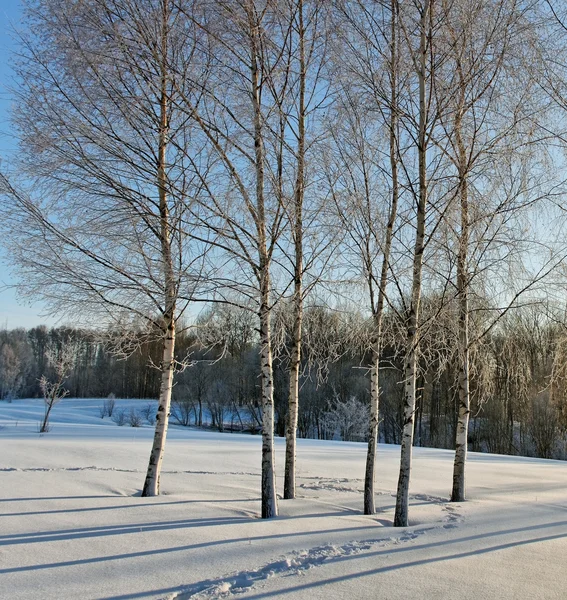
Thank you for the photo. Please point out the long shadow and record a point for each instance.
(91, 532)
(60, 498)
(468, 538)
(139, 504)
(389, 507)
(142, 553)
(404, 565)
(116, 507)
(144, 527)
(388, 550)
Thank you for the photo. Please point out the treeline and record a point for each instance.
(518, 380)
(95, 372)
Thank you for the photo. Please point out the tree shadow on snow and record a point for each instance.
(245, 580)
(106, 530)
(382, 552)
(158, 551)
(92, 497)
(117, 507)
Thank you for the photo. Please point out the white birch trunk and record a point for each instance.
(152, 482)
(369, 503)
(461, 433)
(370, 471)
(151, 485)
(295, 360)
(269, 498)
(293, 402)
(412, 341)
(410, 365)
(268, 490)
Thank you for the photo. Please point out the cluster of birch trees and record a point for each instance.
(181, 153)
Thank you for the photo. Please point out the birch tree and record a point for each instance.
(299, 194)
(95, 231)
(490, 103)
(243, 127)
(369, 217)
(476, 53)
(421, 58)
(308, 97)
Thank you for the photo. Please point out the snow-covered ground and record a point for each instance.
(74, 526)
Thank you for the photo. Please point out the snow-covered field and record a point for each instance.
(74, 526)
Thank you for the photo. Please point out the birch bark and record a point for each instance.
(461, 434)
(269, 498)
(378, 310)
(295, 360)
(412, 332)
(268, 492)
(120, 173)
(151, 484)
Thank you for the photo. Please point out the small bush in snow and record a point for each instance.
(183, 411)
(119, 417)
(149, 413)
(110, 404)
(134, 418)
(108, 407)
(348, 419)
(52, 389)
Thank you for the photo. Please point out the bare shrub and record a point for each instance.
(110, 404)
(119, 417)
(182, 410)
(52, 389)
(149, 413)
(218, 401)
(134, 418)
(348, 419)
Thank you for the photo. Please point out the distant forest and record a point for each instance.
(519, 367)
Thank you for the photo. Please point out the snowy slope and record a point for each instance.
(74, 526)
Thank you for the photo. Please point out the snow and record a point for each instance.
(74, 526)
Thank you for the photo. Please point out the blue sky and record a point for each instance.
(13, 313)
